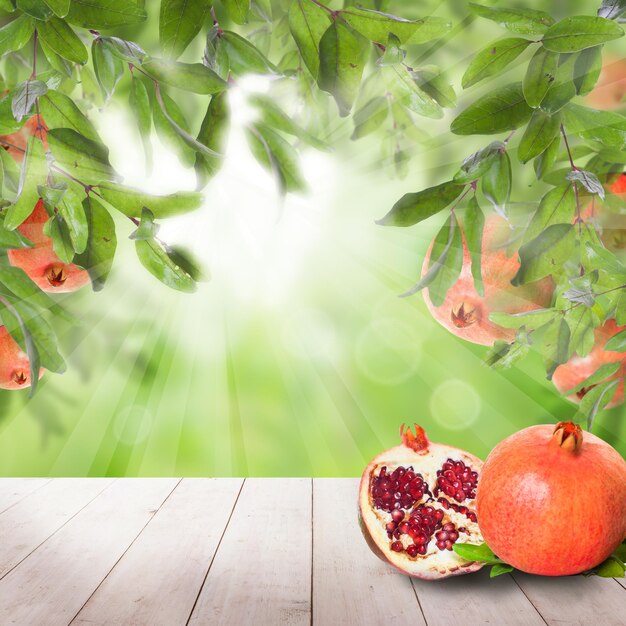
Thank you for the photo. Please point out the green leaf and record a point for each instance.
(503, 355)
(57, 230)
(475, 165)
(213, 134)
(193, 77)
(188, 263)
(215, 57)
(58, 35)
(472, 552)
(539, 134)
(11, 239)
(11, 171)
(125, 50)
(376, 26)
(130, 201)
(503, 109)
(35, 8)
(59, 7)
(98, 256)
(531, 319)
(307, 23)
(500, 568)
(546, 160)
(370, 117)
(393, 53)
(147, 228)
(446, 261)
(556, 341)
(579, 32)
(493, 59)
(522, 21)
(587, 70)
(237, 10)
(557, 206)
(179, 22)
(85, 159)
(559, 95)
(154, 258)
(600, 375)
(105, 13)
(107, 67)
(342, 59)
(139, 102)
(435, 84)
(611, 568)
(612, 9)
(541, 73)
(474, 225)
(16, 34)
(588, 180)
(172, 127)
(407, 88)
(57, 62)
(24, 97)
(412, 208)
(276, 155)
(596, 398)
(551, 249)
(59, 111)
(617, 343)
(497, 182)
(70, 208)
(604, 126)
(244, 57)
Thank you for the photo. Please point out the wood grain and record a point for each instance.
(157, 581)
(51, 586)
(261, 573)
(16, 489)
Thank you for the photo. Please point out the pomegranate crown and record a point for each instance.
(418, 442)
(568, 436)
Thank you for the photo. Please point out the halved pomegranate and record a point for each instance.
(416, 501)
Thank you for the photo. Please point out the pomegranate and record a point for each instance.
(14, 364)
(612, 224)
(19, 140)
(611, 87)
(40, 262)
(578, 369)
(465, 312)
(416, 501)
(552, 501)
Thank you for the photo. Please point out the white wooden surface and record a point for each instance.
(231, 551)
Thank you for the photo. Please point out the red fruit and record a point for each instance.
(14, 364)
(551, 501)
(19, 140)
(40, 262)
(465, 312)
(416, 501)
(611, 87)
(578, 369)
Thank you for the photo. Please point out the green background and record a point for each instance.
(298, 358)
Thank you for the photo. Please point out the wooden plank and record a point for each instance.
(261, 573)
(158, 579)
(12, 490)
(575, 600)
(32, 520)
(53, 583)
(350, 584)
(621, 581)
(476, 599)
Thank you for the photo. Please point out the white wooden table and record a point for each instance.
(231, 551)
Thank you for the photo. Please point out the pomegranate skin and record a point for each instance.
(578, 369)
(19, 139)
(40, 262)
(465, 313)
(551, 507)
(14, 364)
(611, 87)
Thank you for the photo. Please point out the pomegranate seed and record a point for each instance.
(397, 546)
(404, 527)
(397, 515)
(456, 480)
(441, 536)
(449, 526)
(412, 550)
(401, 489)
(441, 545)
(391, 526)
(422, 549)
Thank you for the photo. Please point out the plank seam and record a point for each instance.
(128, 547)
(219, 543)
(529, 600)
(67, 521)
(419, 604)
(26, 495)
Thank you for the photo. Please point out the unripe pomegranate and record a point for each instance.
(19, 140)
(416, 501)
(610, 90)
(578, 369)
(40, 262)
(465, 312)
(552, 501)
(14, 364)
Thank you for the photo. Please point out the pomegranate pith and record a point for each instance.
(552, 501)
(407, 506)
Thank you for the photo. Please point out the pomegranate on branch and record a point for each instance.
(416, 501)
(14, 364)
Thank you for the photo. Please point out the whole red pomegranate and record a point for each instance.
(33, 126)
(40, 262)
(465, 312)
(611, 87)
(578, 369)
(14, 364)
(552, 501)
(416, 501)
